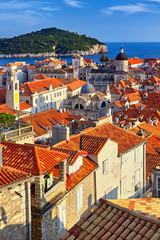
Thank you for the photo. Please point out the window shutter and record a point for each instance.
(77, 200)
(61, 216)
(81, 197)
(135, 155)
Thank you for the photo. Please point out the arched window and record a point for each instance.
(76, 107)
(103, 104)
(16, 86)
(81, 106)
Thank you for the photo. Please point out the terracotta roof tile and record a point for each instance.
(30, 88)
(10, 175)
(143, 227)
(6, 109)
(72, 83)
(31, 159)
(50, 118)
(125, 139)
(142, 205)
(24, 106)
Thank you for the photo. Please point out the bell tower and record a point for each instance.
(12, 90)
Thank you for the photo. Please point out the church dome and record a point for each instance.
(121, 56)
(88, 88)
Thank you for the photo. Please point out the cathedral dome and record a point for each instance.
(87, 88)
(121, 56)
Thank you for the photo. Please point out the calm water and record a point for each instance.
(132, 49)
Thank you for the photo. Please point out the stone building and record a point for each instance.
(106, 75)
(89, 104)
(120, 155)
(15, 203)
(63, 188)
(49, 71)
(12, 90)
(44, 94)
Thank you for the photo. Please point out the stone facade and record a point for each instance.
(45, 222)
(15, 210)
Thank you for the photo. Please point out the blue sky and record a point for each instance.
(107, 20)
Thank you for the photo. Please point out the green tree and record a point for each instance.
(106, 59)
(102, 59)
(6, 119)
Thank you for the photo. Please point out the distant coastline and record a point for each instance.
(96, 49)
(132, 49)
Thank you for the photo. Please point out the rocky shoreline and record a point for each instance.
(96, 49)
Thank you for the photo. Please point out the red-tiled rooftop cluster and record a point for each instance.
(30, 88)
(9, 175)
(30, 158)
(125, 140)
(110, 221)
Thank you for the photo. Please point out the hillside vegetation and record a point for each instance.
(45, 40)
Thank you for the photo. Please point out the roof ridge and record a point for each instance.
(132, 212)
(85, 135)
(37, 159)
(65, 149)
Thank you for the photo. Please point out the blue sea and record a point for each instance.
(131, 49)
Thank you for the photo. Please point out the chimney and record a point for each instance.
(63, 170)
(60, 133)
(80, 143)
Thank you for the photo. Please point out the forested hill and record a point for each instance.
(45, 40)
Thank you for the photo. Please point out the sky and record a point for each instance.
(106, 20)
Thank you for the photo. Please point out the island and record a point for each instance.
(50, 42)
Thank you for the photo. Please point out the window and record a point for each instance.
(79, 198)
(158, 187)
(123, 185)
(108, 194)
(35, 101)
(27, 101)
(47, 97)
(16, 86)
(137, 155)
(105, 166)
(136, 177)
(61, 216)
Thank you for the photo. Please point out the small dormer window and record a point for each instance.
(48, 181)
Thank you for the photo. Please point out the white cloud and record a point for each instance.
(73, 3)
(50, 8)
(129, 9)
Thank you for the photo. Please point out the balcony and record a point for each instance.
(13, 135)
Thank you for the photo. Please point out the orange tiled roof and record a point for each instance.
(72, 83)
(125, 139)
(87, 167)
(50, 118)
(6, 109)
(10, 175)
(88, 61)
(133, 61)
(40, 77)
(110, 221)
(144, 206)
(24, 106)
(73, 155)
(30, 158)
(31, 67)
(92, 144)
(30, 88)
